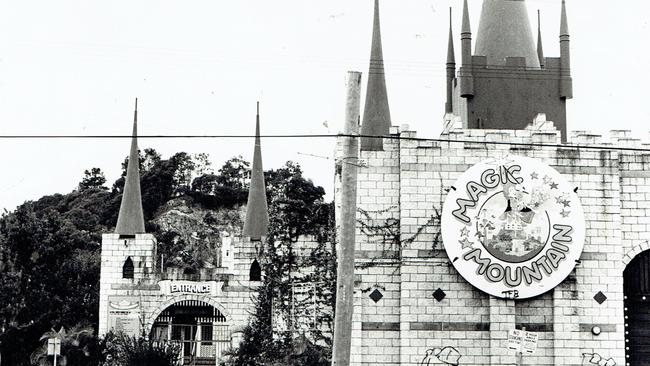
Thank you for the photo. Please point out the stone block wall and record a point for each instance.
(401, 191)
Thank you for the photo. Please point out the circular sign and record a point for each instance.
(513, 227)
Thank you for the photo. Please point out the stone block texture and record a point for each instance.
(399, 252)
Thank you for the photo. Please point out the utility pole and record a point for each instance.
(346, 231)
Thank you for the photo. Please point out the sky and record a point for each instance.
(76, 66)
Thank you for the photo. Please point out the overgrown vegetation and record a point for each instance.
(296, 209)
(50, 248)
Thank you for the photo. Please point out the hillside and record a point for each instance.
(50, 247)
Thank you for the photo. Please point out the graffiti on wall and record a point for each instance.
(596, 359)
(447, 355)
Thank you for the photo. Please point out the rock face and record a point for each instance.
(199, 232)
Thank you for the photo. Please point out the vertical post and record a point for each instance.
(55, 353)
(346, 231)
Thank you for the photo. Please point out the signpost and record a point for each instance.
(54, 347)
(523, 342)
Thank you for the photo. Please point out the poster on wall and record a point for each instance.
(124, 314)
(513, 227)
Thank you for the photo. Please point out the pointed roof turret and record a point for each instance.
(465, 26)
(130, 220)
(540, 47)
(504, 31)
(451, 57)
(257, 215)
(376, 113)
(564, 23)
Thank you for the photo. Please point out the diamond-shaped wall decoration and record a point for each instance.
(376, 295)
(439, 295)
(600, 297)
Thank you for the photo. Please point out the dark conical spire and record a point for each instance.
(451, 69)
(257, 215)
(376, 113)
(566, 84)
(465, 75)
(451, 57)
(130, 220)
(540, 47)
(504, 31)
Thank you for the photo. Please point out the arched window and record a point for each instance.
(127, 268)
(255, 272)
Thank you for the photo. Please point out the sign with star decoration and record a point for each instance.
(513, 227)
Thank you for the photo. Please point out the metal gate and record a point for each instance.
(637, 310)
(199, 330)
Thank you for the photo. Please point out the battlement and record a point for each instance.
(540, 132)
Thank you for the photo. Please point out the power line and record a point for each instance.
(392, 137)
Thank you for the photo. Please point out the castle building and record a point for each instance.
(443, 276)
(507, 81)
(203, 312)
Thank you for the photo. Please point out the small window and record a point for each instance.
(127, 269)
(255, 272)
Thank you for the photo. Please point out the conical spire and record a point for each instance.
(465, 26)
(376, 113)
(504, 31)
(257, 215)
(465, 74)
(451, 69)
(566, 85)
(451, 57)
(564, 23)
(130, 220)
(540, 47)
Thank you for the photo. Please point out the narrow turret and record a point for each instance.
(540, 47)
(130, 220)
(566, 84)
(451, 68)
(376, 113)
(466, 81)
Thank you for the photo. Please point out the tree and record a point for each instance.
(235, 172)
(296, 208)
(93, 179)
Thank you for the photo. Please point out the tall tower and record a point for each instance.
(376, 113)
(128, 255)
(507, 81)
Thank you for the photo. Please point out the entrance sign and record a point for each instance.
(212, 288)
(513, 227)
(124, 314)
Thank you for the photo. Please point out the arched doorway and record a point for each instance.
(199, 328)
(636, 282)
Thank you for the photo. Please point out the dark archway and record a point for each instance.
(636, 287)
(255, 273)
(199, 328)
(127, 268)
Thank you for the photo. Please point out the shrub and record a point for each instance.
(120, 349)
